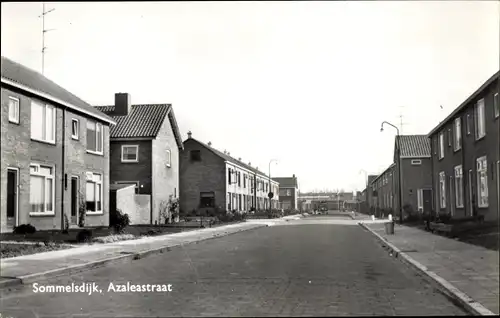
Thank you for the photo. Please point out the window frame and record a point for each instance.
(441, 145)
(128, 160)
(480, 169)
(14, 120)
(168, 163)
(96, 124)
(52, 177)
(442, 190)
(196, 158)
(457, 134)
(459, 186)
(96, 212)
(496, 105)
(212, 197)
(77, 136)
(416, 162)
(44, 138)
(480, 121)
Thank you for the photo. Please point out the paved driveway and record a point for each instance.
(297, 269)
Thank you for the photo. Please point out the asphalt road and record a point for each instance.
(290, 270)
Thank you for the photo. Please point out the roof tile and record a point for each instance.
(415, 146)
(143, 121)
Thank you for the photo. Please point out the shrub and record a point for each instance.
(84, 236)
(82, 210)
(119, 221)
(66, 224)
(24, 229)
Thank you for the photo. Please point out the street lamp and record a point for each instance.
(269, 195)
(400, 195)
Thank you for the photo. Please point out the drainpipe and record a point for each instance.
(63, 168)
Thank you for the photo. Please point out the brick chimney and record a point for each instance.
(189, 134)
(122, 104)
(239, 159)
(210, 144)
(249, 163)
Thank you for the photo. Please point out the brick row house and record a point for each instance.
(213, 180)
(288, 193)
(144, 152)
(54, 154)
(416, 189)
(465, 156)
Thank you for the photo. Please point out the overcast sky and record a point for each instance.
(306, 83)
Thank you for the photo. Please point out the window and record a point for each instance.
(94, 193)
(442, 190)
(229, 172)
(449, 138)
(195, 155)
(94, 137)
(41, 190)
(43, 122)
(282, 192)
(244, 180)
(238, 175)
(135, 183)
(239, 202)
(479, 119)
(207, 200)
(229, 201)
(441, 145)
(168, 158)
(482, 182)
(496, 105)
(13, 110)
(416, 162)
(289, 192)
(75, 129)
(459, 187)
(130, 153)
(458, 134)
(468, 124)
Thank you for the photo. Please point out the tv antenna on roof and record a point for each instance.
(401, 123)
(44, 13)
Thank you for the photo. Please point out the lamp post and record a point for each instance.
(400, 195)
(270, 196)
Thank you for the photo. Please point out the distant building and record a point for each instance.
(212, 180)
(288, 193)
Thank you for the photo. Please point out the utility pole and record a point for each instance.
(44, 13)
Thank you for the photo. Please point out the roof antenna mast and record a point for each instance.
(44, 13)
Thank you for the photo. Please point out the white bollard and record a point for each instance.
(390, 217)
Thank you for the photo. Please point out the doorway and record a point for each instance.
(12, 197)
(427, 198)
(74, 200)
(471, 206)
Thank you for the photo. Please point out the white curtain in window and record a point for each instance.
(37, 120)
(37, 192)
(48, 195)
(99, 137)
(90, 195)
(49, 123)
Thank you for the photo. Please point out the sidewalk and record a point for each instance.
(471, 269)
(29, 268)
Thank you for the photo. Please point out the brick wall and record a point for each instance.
(165, 179)
(18, 151)
(206, 175)
(132, 171)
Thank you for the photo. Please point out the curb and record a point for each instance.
(454, 294)
(125, 258)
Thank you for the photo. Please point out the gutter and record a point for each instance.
(63, 168)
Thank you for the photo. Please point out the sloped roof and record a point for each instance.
(26, 79)
(228, 158)
(287, 182)
(465, 103)
(143, 121)
(415, 146)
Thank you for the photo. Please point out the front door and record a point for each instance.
(471, 196)
(427, 198)
(74, 200)
(12, 197)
